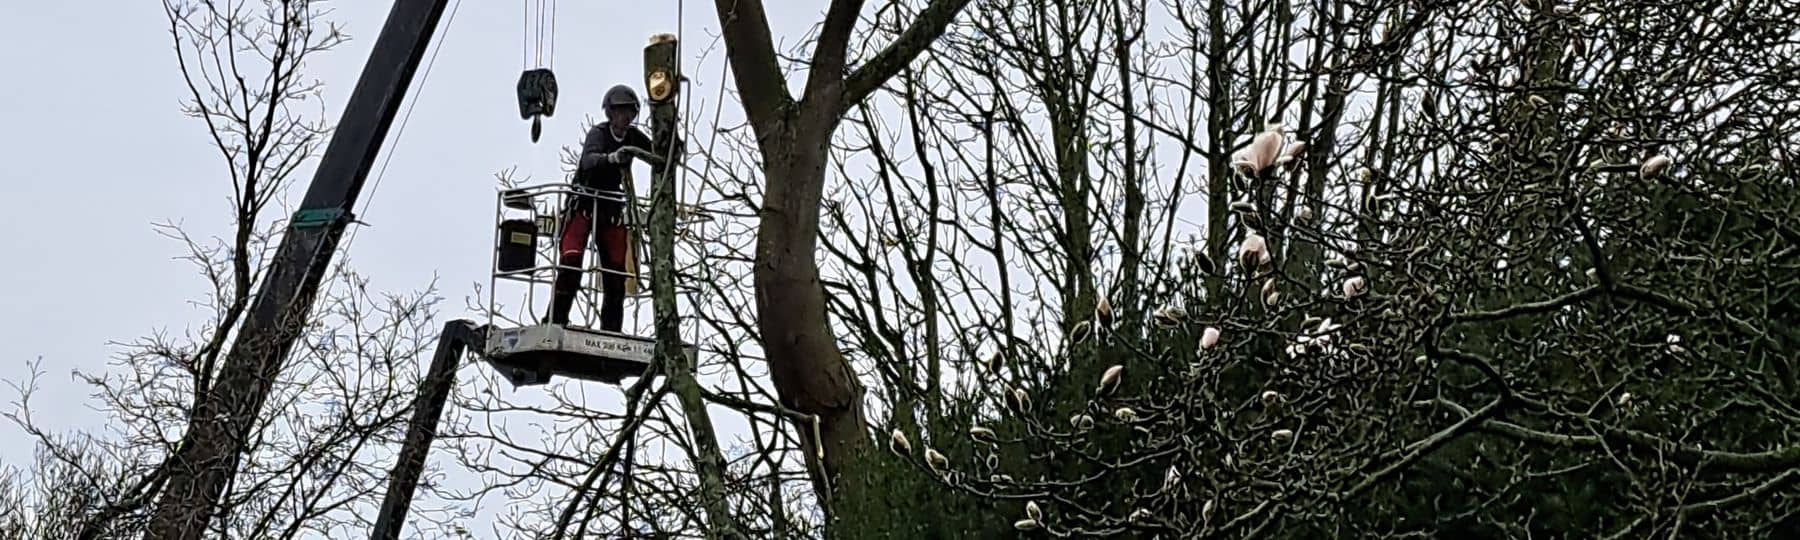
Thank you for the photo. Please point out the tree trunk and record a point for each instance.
(808, 371)
(1218, 140)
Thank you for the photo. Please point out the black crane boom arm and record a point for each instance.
(223, 419)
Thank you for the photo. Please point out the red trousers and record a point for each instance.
(609, 237)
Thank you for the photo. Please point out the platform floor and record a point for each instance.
(532, 355)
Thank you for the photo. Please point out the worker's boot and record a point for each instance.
(612, 302)
(568, 283)
(560, 307)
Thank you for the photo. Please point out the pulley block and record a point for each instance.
(537, 98)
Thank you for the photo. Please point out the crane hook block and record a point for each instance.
(537, 98)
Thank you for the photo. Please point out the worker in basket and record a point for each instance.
(603, 167)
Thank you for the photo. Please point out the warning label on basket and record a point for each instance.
(616, 348)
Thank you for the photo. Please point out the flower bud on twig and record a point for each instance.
(1110, 380)
(898, 443)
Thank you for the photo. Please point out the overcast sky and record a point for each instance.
(95, 151)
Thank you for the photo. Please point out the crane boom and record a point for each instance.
(223, 419)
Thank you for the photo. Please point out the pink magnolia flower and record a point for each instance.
(1261, 153)
(1254, 251)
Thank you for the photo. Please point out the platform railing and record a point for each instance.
(547, 206)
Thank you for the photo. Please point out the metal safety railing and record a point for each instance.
(546, 207)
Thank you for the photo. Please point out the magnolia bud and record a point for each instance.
(1026, 525)
(1253, 252)
(1103, 312)
(898, 443)
(1110, 380)
(1021, 403)
(936, 461)
(1209, 338)
(1653, 166)
(1140, 516)
(1079, 333)
(1032, 511)
(1125, 414)
(981, 434)
(1271, 398)
(1354, 286)
(1282, 435)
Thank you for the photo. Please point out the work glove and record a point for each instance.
(617, 157)
(594, 159)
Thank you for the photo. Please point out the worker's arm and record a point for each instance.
(591, 156)
(637, 144)
(593, 159)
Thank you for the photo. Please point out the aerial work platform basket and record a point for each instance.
(530, 350)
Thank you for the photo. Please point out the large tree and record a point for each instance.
(793, 136)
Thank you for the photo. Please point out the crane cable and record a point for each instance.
(400, 130)
(532, 45)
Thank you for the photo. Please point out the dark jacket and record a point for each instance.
(603, 176)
